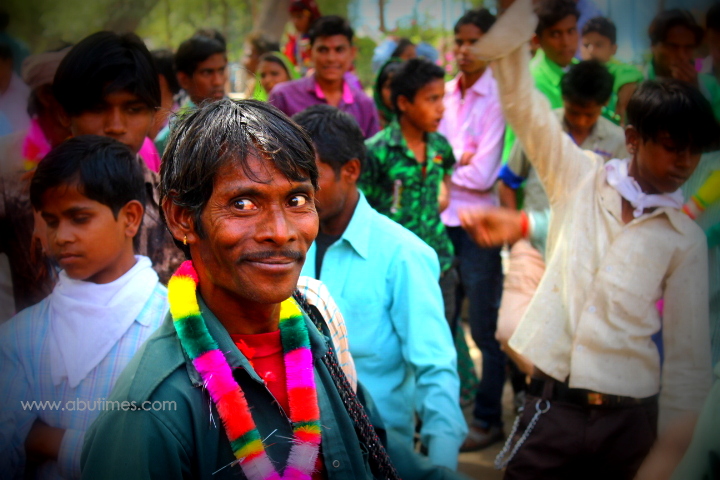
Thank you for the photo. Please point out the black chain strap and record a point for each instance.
(380, 462)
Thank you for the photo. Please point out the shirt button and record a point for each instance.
(591, 309)
(336, 463)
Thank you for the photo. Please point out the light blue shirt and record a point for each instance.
(25, 377)
(385, 282)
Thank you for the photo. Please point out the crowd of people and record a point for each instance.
(276, 287)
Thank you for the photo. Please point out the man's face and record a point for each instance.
(257, 232)
(465, 38)
(581, 118)
(207, 82)
(121, 115)
(661, 166)
(84, 236)
(559, 42)
(677, 48)
(426, 109)
(301, 20)
(332, 57)
(597, 47)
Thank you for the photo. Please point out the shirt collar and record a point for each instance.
(357, 233)
(550, 69)
(481, 87)
(347, 96)
(395, 136)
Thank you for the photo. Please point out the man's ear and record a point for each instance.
(132, 214)
(350, 172)
(402, 103)
(184, 80)
(354, 50)
(535, 41)
(180, 221)
(63, 117)
(632, 139)
(614, 49)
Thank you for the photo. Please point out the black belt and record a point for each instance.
(561, 392)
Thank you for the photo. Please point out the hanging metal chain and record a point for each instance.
(500, 461)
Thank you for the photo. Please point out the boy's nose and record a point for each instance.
(114, 122)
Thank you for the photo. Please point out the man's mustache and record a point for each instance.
(267, 254)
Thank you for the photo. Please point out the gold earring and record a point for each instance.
(185, 240)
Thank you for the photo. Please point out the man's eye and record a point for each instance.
(244, 204)
(298, 200)
(81, 219)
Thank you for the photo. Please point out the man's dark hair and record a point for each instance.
(194, 51)
(5, 52)
(273, 58)
(412, 76)
(402, 45)
(103, 169)
(262, 44)
(668, 19)
(330, 25)
(480, 17)
(712, 18)
(550, 12)
(603, 26)
(213, 33)
(103, 63)
(675, 107)
(164, 62)
(207, 138)
(587, 81)
(336, 135)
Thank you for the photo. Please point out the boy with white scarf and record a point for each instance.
(69, 349)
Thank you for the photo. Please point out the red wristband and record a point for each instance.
(524, 224)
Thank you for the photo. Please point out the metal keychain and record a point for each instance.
(500, 462)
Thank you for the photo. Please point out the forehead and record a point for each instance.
(67, 196)
(468, 30)
(214, 61)
(680, 35)
(121, 97)
(567, 23)
(332, 41)
(258, 173)
(434, 86)
(595, 37)
(590, 107)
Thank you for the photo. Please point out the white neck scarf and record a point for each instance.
(628, 188)
(87, 319)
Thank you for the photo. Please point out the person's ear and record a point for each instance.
(350, 172)
(180, 221)
(632, 139)
(535, 41)
(63, 117)
(132, 214)
(353, 52)
(614, 49)
(402, 103)
(184, 80)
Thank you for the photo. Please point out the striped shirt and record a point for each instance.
(27, 391)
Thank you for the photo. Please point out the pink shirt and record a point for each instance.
(473, 124)
(148, 152)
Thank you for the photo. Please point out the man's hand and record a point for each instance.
(465, 159)
(43, 441)
(492, 227)
(684, 71)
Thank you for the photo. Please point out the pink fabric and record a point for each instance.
(347, 95)
(35, 146)
(213, 368)
(476, 124)
(150, 155)
(294, 364)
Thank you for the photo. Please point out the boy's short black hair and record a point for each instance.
(668, 19)
(330, 25)
(603, 26)
(166, 67)
(207, 138)
(712, 18)
(104, 170)
(103, 63)
(480, 17)
(675, 107)
(550, 12)
(194, 51)
(213, 33)
(336, 135)
(411, 77)
(402, 45)
(587, 81)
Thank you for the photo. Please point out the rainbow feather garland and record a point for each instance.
(227, 394)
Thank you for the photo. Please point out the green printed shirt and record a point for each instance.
(397, 185)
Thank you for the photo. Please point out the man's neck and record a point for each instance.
(330, 87)
(413, 135)
(338, 224)
(238, 316)
(467, 80)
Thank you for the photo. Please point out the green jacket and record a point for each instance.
(183, 437)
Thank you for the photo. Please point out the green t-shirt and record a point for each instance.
(623, 73)
(398, 186)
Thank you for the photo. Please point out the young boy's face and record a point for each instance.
(466, 36)
(121, 115)
(661, 166)
(426, 110)
(332, 57)
(581, 118)
(84, 236)
(207, 82)
(597, 47)
(559, 42)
